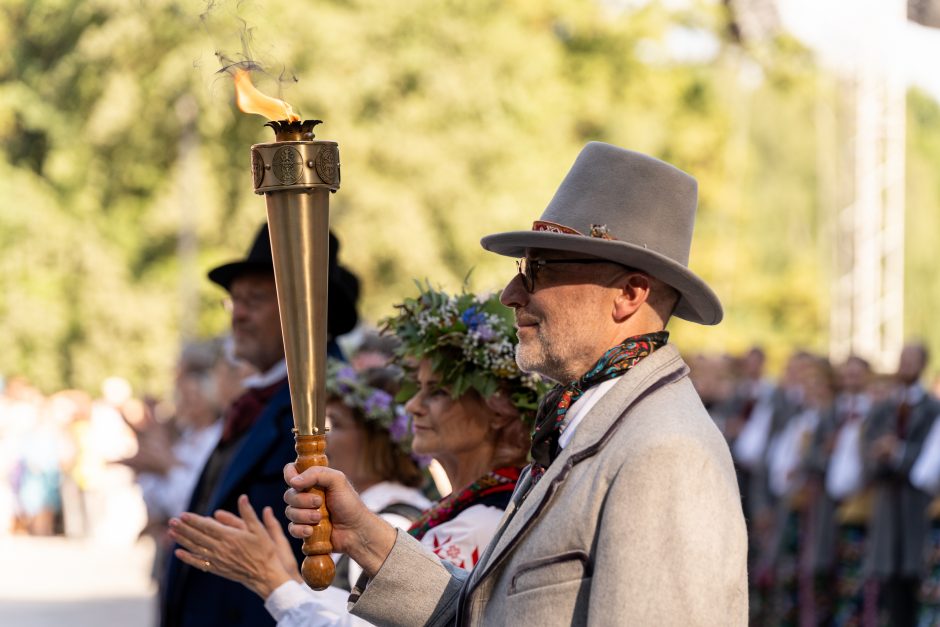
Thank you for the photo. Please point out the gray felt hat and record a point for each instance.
(631, 209)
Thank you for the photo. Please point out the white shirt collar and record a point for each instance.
(277, 372)
(581, 407)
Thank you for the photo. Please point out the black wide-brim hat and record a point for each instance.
(628, 208)
(343, 284)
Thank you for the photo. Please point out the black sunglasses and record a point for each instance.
(529, 268)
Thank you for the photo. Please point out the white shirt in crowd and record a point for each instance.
(168, 495)
(749, 447)
(844, 474)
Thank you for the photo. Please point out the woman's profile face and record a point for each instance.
(444, 426)
(344, 440)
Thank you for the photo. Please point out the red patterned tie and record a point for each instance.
(246, 409)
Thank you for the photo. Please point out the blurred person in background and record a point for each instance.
(19, 411)
(374, 351)
(42, 450)
(713, 378)
(257, 434)
(470, 411)
(171, 454)
(756, 414)
(794, 483)
(102, 436)
(925, 476)
(893, 441)
(845, 486)
(817, 554)
(74, 408)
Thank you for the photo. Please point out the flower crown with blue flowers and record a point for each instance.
(375, 405)
(470, 341)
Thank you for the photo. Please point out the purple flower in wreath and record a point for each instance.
(486, 332)
(378, 401)
(473, 318)
(345, 379)
(398, 430)
(422, 460)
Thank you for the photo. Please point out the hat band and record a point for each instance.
(597, 230)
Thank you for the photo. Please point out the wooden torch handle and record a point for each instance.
(318, 568)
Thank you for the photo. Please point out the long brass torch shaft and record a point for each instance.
(296, 178)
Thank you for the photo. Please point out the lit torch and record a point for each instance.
(296, 175)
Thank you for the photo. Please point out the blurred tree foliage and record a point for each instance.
(455, 119)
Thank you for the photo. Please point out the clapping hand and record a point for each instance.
(245, 549)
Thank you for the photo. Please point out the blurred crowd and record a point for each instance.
(111, 468)
(58, 462)
(839, 472)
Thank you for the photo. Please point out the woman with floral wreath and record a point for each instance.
(471, 409)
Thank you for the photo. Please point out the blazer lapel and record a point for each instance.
(255, 445)
(662, 367)
(923, 412)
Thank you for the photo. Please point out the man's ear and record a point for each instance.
(634, 291)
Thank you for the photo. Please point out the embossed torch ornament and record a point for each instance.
(296, 174)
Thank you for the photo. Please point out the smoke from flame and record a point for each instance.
(250, 100)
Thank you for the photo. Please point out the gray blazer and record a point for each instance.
(898, 526)
(638, 522)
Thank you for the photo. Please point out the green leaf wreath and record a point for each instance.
(470, 341)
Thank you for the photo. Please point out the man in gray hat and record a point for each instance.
(630, 512)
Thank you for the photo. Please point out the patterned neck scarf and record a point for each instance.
(550, 420)
(496, 485)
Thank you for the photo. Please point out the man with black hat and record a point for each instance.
(257, 437)
(630, 513)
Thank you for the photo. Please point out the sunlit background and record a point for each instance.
(813, 128)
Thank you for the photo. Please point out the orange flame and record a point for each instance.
(250, 100)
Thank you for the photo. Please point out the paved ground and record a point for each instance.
(50, 582)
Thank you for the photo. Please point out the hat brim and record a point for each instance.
(226, 273)
(343, 291)
(697, 302)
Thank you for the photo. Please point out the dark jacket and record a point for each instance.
(193, 598)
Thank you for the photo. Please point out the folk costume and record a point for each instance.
(898, 526)
(458, 527)
(845, 487)
(925, 475)
(636, 519)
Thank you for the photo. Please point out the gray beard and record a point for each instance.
(545, 364)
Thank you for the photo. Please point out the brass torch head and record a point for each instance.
(296, 177)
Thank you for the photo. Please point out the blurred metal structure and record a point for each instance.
(924, 12)
(752, 20)
(867, 314)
